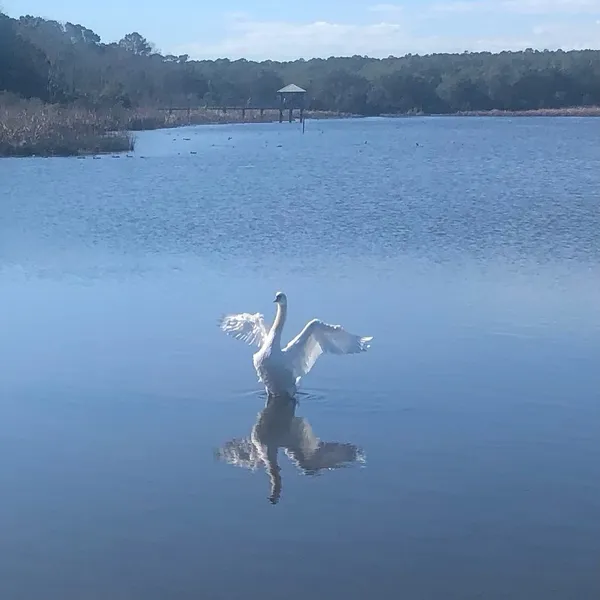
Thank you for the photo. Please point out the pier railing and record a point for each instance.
(243, 110)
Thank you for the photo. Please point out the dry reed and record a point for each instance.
(34, 129)
(574, 111)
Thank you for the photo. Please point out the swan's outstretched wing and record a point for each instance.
(246, 327)
(318, 337)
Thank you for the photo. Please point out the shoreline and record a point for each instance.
(34, 129)
(150, 119)
(575, 111)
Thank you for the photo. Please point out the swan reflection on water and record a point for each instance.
(277, 426)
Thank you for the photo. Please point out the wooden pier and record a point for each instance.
(291, 98)
(243, 110)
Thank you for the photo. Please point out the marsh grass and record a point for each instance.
(35, 129)
(574, 111)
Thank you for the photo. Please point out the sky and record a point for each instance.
(274, 29)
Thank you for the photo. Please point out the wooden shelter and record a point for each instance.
(291, 97)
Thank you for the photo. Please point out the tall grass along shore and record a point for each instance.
(35, 129)
(575, 111)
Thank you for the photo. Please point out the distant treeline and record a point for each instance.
(68, 64)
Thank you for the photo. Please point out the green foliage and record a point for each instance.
(68, 63)
(136, 44)
(23, 67)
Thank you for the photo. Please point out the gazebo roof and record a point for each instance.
(291, 89)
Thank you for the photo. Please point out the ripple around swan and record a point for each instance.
(302, 395)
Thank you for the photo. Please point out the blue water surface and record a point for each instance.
(470, 432)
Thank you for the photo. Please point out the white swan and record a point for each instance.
(280, 370)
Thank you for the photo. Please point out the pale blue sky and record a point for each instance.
(259, 29)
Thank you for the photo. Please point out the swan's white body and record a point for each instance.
(280, 369)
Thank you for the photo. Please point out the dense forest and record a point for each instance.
(65, 63)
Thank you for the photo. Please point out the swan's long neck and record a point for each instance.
(278, 323)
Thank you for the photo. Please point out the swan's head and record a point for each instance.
(280, 298)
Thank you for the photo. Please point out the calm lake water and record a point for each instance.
(470, 432)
